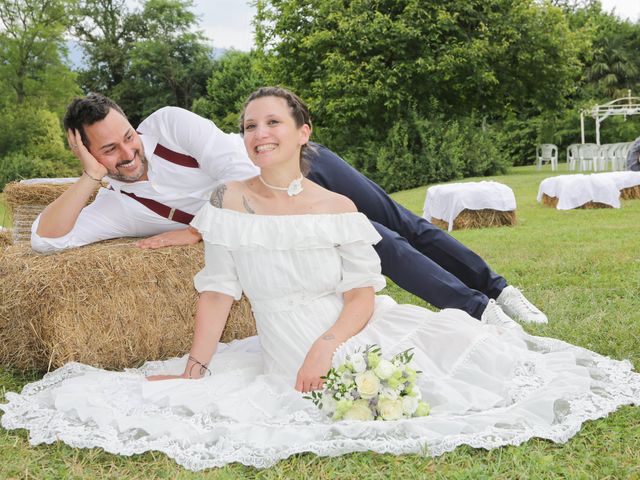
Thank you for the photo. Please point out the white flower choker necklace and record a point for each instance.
(294, 188)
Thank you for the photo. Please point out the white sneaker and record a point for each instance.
(493, 315)
(518, 307)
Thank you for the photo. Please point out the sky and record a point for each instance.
(228, 22)
(628, 9)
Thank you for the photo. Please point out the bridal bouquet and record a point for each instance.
(369, 387)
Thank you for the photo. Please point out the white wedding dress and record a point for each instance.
(487, 386)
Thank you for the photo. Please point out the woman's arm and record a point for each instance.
(211, 316)
(356, 312)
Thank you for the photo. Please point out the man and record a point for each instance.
(633, 157)
(162, 174)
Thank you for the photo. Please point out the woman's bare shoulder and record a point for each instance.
(343, 204)
(230, 195)
(331, 202)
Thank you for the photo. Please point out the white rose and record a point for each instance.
(390, 409)
(358, 363)
(384, 369)
(359, 411)
(390, 393)
(368, 384)
(409, 405)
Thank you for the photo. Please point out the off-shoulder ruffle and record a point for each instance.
(239, 231)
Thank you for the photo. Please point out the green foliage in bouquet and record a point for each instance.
(369, 387)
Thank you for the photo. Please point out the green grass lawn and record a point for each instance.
(581, 267)
(5, 219)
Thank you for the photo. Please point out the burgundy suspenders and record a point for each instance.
(175, 157)
(161, 209)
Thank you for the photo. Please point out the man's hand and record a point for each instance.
(90, 165)
(187, 236)
(316, 364)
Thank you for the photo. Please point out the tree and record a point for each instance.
(362, 65)
(31, 145)
(235, 75)
(171, 63)
(144, 59)
(614, 67)
(107, 31)
(32, 53)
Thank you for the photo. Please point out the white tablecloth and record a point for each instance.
(622, 179)
(54, 181)
(573, 191)
(445, 202)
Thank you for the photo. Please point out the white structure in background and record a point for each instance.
(622, 106)
(597, 157)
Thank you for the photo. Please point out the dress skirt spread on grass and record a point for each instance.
(487, 386)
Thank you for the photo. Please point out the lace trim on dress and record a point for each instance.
(48, 426)
(237, 230)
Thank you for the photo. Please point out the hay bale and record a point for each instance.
(479, 219)
(6, 238)
(553, 202)
(549, 201)
(26, 199)
(109, 304)
(630, 193)
(34, 193)
(594, 205)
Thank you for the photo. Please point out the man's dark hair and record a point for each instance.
(87, 111)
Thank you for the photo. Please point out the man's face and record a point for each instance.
(115, 144)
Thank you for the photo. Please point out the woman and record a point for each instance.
(304, 258)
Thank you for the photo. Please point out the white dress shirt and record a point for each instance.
(221, 156)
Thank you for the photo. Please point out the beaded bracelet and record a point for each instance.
(94, 179)
(203, 367)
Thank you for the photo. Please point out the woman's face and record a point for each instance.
(270, 132)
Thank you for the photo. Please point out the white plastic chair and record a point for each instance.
(547, 153)
(613, 157)
(621, 156)
(605, 156)
(572, 156)
(587, 156)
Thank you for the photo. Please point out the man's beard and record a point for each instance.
(116, 175)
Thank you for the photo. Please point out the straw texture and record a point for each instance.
(630, 193)
(553, 202)
(109, 304)
(479, 219)
(6, 237)
(27, 200)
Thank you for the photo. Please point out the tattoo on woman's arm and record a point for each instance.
(247, 207)
(329, 336)
(218, 195)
